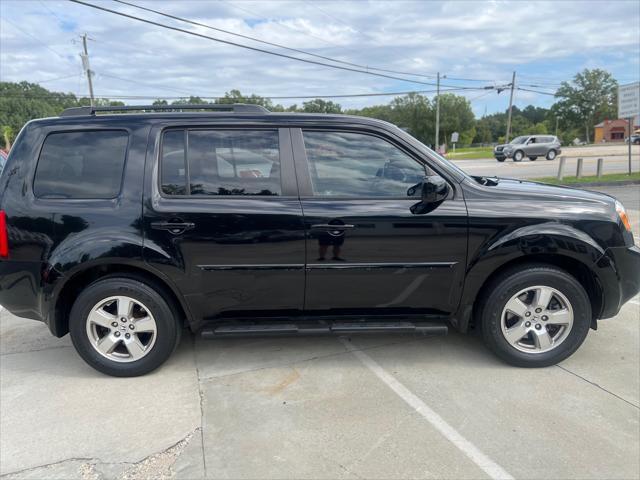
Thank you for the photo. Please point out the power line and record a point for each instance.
(335, 19)
(54, 79)
(479, 96)
(192, 22)
(282, 55)
(277, 45)
(219, 97)
(538, 91)
(36, 39)
(144, 84)
(253, 13)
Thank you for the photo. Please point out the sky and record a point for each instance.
(473, 44)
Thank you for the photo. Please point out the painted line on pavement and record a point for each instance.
(491, 468)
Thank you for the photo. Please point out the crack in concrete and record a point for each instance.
(598, 386)
(35, 350)
(201, 394)
(158, 466)
(52, 464)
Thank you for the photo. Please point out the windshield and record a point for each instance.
(519, 140)
(2, 162)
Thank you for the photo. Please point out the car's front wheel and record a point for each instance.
(536, 316)
(518, 156)
(551, 155)
(123, 327)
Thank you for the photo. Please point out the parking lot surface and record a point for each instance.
(374, 406)
(618, 163)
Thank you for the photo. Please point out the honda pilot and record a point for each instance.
(123, 226)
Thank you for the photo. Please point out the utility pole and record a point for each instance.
(513, 84)
(87, 68)
(556, 126)
(437, 143)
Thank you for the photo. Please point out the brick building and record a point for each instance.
(613, 130)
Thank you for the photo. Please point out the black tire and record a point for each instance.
(533, 159)
(513, 281)
(500, 159)
(168, 327)
(551, 155)
(518, 155)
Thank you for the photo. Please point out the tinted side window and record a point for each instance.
(174, 163)
(86, 164)
(361, 165)
(221, 162)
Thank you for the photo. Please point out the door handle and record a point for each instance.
(173, 227)
(327, 226)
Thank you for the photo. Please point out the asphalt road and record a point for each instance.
(289, 408)
(546, 168)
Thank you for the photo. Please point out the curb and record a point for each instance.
(620, 183)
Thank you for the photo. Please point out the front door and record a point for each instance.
(224, 222)
(366, 250)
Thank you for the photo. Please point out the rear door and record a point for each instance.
(366, 250)
(223, 220)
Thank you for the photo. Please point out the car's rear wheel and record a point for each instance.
(123, 327)
(551, 155)
(533, 159)
(518, 156)
(536, 316)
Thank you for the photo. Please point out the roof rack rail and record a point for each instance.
(232, 107)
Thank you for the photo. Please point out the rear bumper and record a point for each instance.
(626, 263)
(21, 289)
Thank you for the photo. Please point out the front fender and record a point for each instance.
(551, 242)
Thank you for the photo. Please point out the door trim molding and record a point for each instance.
(257, 266)
(377, 266)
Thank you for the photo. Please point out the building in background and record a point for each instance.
(613, 130)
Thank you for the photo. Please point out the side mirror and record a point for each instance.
(434, 189)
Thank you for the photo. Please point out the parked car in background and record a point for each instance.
(124, 229)
(532, 146)
(634, 139)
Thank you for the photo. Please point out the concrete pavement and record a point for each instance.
(375, 406)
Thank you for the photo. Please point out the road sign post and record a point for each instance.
(454, 140)
(629, 107)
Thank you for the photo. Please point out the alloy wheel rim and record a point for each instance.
(121, 329)
(551, 155)
(536, 319)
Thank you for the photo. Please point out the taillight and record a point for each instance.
(4, 238)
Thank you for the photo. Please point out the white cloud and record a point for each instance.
(486, 40)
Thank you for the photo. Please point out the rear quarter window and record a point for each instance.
(81, 164)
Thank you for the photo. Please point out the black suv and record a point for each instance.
(123, 228)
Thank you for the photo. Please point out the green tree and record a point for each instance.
(588, 99)
(414, 113)
(319, 105)
(483, 133)
(7, 136)
(21, 102)
(456, 116)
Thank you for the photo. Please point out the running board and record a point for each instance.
(335, 328)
